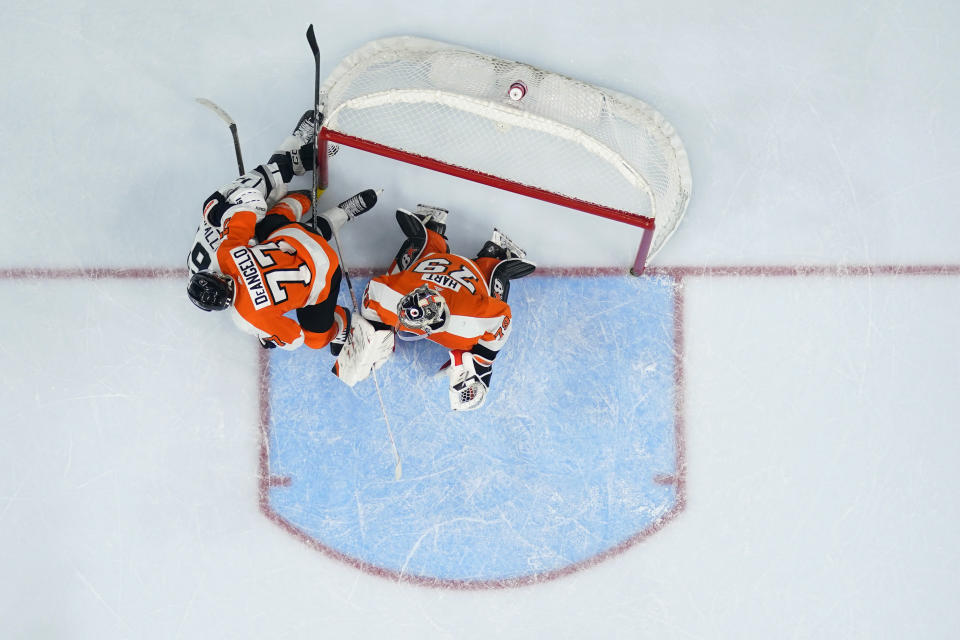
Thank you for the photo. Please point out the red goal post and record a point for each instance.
(510, 126)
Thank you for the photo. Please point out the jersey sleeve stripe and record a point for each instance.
(382, 296)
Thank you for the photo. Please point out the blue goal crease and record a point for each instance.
(564, 461)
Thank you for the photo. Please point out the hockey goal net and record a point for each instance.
(512, 126)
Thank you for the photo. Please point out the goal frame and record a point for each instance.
(327, 136)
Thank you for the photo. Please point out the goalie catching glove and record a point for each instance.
(366, 349)
(469, 380)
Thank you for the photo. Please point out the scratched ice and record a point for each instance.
(813, 322)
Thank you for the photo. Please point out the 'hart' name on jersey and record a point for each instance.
(251, 277)
(443, 280)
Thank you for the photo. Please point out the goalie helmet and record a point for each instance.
(421, 308)
(210, 291)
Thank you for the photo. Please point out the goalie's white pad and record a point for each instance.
(467, 390)
(366, 349)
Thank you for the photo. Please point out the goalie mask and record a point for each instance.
(210, 291)
(421, 308)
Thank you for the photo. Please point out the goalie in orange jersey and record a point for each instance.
(431, 293)
(266, 263)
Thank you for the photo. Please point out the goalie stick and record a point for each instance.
(312, 40)
(398, 469)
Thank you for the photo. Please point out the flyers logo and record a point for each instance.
(407, 258)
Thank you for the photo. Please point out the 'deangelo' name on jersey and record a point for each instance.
(251, 277)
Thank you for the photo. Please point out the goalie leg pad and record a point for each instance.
(415, 227)
(367, 348)
(505, 271)
(412, 247)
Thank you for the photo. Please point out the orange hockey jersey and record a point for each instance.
(292, 269)
(476, 321)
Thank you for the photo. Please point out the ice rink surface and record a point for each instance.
(813, 325)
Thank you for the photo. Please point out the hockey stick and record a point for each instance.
(398, 469)
(312, 40)
(233, 128)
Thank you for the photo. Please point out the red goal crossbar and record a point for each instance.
(647, 224)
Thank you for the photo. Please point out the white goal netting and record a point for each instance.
(512, 126)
